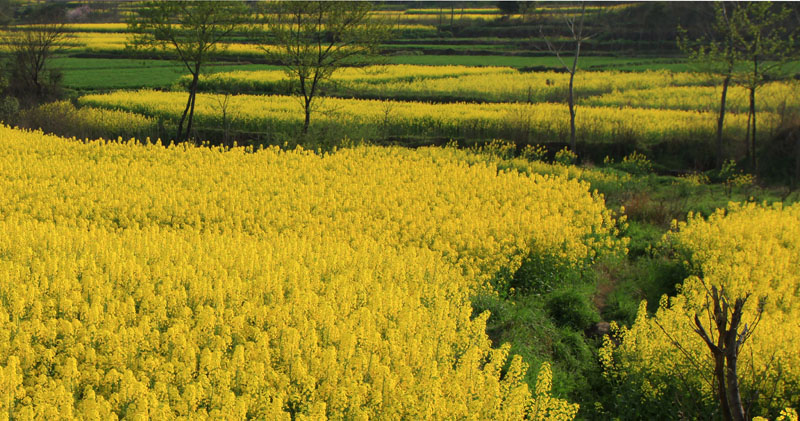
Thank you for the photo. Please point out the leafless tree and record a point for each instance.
(576, 35)
(192, 30)
(316, 38)
(32, 45)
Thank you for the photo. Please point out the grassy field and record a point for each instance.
(121, 73)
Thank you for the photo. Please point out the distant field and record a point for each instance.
(276, 115)
(586, 62)
(127, 73)
(105, 74)
(456, 83)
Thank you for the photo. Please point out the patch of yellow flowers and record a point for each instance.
(374, 118)
(348, 78)
(750, 249)
(141, 281)
(492, 84)
(773, 97)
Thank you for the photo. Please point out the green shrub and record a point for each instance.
(542, 273)
(565, 157)
(636, 163)
(534, 152)
(569, 308)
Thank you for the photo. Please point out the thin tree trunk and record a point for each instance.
(185, 113)
(731, 357)
(571, 101)
(307, 122)
(578, 36)
(753, 128)
(721, 120)
(193, 98)
(191, 117)
(797, 158)
(747, 135)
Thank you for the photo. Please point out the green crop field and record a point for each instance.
(121, 73)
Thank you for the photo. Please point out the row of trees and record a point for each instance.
(748, 44)
(311, 39)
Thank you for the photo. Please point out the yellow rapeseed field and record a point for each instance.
(493, 84)
(375, 118)
(142, 281)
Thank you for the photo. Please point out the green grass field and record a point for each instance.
(121, 73)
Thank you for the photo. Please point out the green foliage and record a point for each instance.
(316, 38)
(714, 53)
(9, 106)
(526, 324)
(636, 163)
(192, 31)
(734, 178)
(569, 308)
(542, 273)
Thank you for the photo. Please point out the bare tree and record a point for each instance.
(725, 348)
(724, 337)
(575, 27)
(766, 44)
(192, 30)
(32, 46)
(715, 54)
(313, 39)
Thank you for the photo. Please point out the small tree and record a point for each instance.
(724, 336)
(32, 45)
(726, 318)
(715, 54)
(313, 39)
(193, 31)
(766, 44)
(575, 28)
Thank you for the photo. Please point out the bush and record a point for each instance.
(569, 308)
(534, 152)
(636, 163)
(9, 106)
(542, 273)
(565, 157)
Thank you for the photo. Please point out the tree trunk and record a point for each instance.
(571, 101)
(179, 136)
(734, 396)
(192, 98)
(307, 109)
(753, 128)
(721, 120)
(797, 158)
(191, 116)
(747, 136)
(731, 356)
(719, 376)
